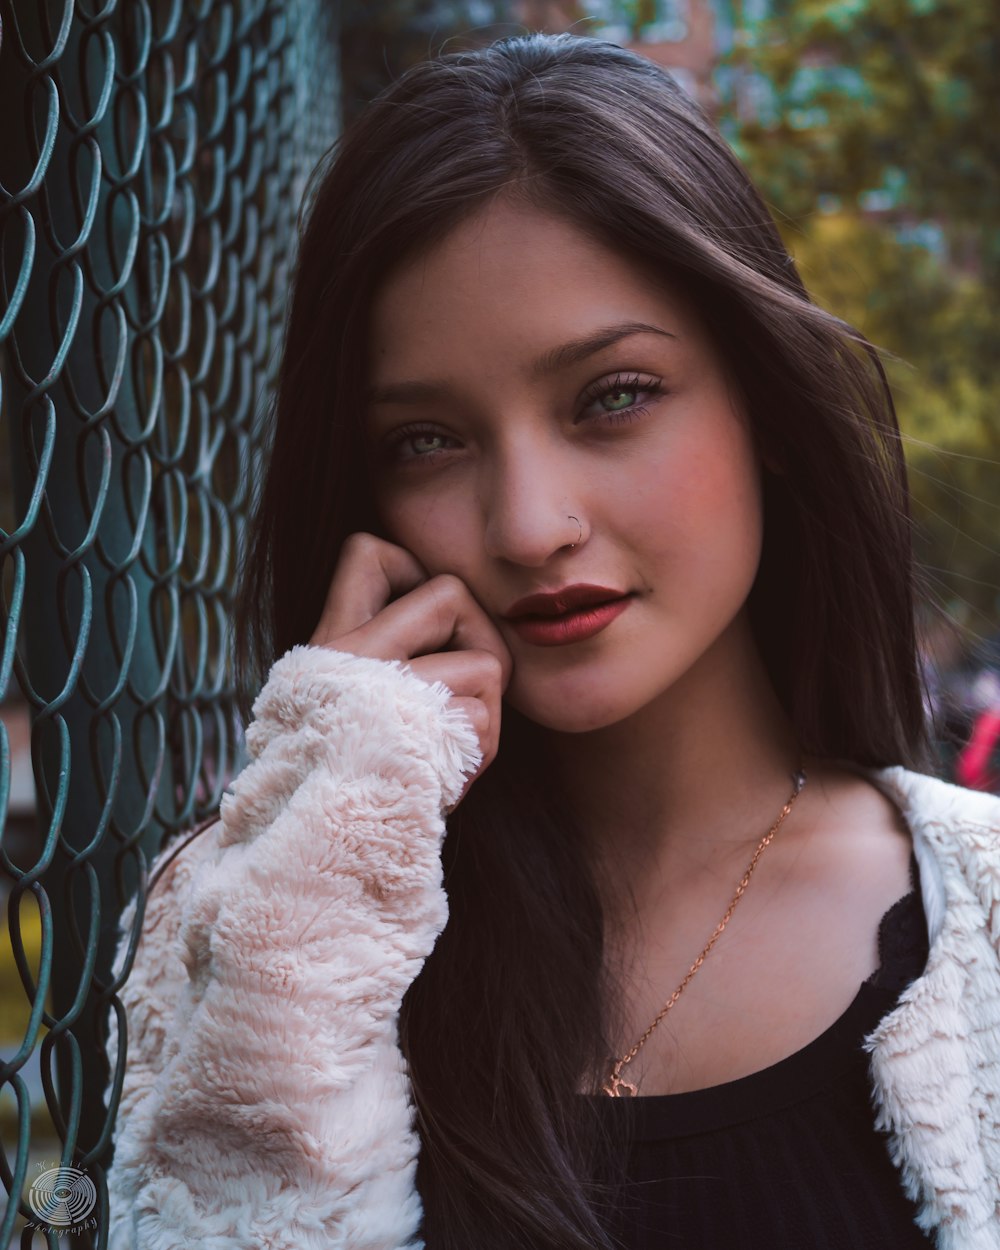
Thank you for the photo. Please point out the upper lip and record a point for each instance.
(556, 602)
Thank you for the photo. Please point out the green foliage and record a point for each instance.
(870, 125)
(933, 324)
(902, 95)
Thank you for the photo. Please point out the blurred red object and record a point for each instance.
(976, 765)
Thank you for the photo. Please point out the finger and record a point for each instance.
(472, 674)
(440, 613)
(475, 679)
(470, 780)
(488, 732)
(369, 573)
(478, 716)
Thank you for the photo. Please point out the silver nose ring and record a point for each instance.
(579, 527)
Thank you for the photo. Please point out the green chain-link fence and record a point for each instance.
(153, 155)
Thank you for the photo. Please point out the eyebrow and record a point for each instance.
(552, 361)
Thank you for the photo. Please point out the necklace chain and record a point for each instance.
(616, 1086)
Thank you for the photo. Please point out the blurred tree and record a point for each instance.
(870, 126)
(883, 104)
(932, 322)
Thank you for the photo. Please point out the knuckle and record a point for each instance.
(360, 544)
(449, 588)
(444, 592)
(477, 715)
(490, 666)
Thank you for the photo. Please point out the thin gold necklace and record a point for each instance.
(616, 1086)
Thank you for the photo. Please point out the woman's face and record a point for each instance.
(543, 416)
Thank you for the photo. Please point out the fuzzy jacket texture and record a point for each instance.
(265, 1100)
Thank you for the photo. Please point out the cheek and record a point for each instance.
(702, 510)
(436, 528)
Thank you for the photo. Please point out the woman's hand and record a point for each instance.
(432, 624)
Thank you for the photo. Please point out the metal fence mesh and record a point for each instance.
(152, 159)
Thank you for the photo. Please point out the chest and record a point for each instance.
(784, 969)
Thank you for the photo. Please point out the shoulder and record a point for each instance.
(956, 839)
(945, 814)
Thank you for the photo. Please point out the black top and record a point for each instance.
(787, 1158)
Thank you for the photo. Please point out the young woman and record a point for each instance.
(584, 889)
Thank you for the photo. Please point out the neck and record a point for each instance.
(691, 782)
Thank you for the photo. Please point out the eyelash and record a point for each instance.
(593, 393)
(632, 382)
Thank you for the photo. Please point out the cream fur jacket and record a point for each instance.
(265, 1100)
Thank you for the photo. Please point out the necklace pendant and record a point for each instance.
(615, 1087)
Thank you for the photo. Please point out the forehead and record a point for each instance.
(511, 280)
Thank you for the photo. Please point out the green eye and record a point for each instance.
(423, 443)
(618, 399)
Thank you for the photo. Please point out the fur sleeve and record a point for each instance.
(266, 1102)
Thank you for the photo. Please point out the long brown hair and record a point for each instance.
(511, 1010)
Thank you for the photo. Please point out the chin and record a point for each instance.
(572, 712)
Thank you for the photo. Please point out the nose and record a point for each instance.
(533, 507)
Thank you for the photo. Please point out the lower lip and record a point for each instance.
(558, 631)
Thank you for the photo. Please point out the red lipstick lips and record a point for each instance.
(568, 615)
